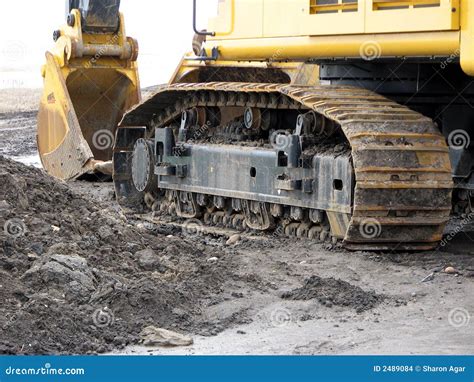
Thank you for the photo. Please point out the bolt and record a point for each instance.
(56, 35)
(71, 20)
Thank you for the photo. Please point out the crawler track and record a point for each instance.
(403, 186)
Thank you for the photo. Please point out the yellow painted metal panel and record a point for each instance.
(287, 18)
(415, 18)
(467, 37)
(238, 18)
(283, 20)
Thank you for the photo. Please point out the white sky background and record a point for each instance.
(163, 30)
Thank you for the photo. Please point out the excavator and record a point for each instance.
(348, 121)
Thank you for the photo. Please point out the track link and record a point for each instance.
(403, 185)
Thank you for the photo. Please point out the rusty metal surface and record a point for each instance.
(402, 197)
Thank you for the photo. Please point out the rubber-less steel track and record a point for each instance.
(402, 197)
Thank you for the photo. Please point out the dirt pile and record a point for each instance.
(330, 292)
(76, 278)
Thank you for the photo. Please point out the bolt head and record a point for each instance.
(56, 35)
(71, 20)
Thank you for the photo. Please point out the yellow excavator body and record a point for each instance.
(90, 80)
(302, 29)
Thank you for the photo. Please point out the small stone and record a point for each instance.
(32, 256)
(450, 271)
(233, 239)
(212, 260)
(142, 227)
(430, 277)
(153, 336)
(105, 232)
(55, 229)
(148, 260)
(4, 205)
(170, 236)
(37, 248)
(413, 294)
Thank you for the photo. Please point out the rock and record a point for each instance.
(4, 205)
(233, 239)
(430, 277)
(132, 247)
(212, 260)
(69, 274)
(105, 232)
(450, 271)
(55, 229)
(153, 336)
(37, 248)
(104, 167)
(32, 256)
(148, 260)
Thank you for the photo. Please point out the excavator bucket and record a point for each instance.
(90, 80)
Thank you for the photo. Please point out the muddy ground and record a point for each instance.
(77, 276)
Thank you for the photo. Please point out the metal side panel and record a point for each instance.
(252, 174)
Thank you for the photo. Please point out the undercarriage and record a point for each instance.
(330, 163)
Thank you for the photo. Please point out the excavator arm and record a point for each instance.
(90, 80)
